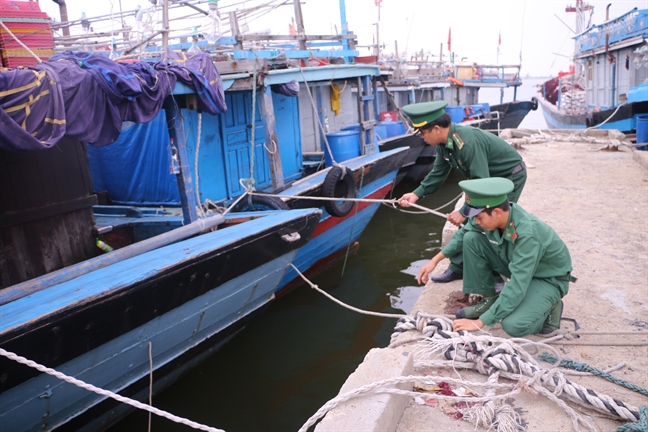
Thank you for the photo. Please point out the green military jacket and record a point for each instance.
(531, 248)
(474, 153)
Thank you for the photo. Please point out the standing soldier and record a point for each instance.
(473, 152)
(501, 237)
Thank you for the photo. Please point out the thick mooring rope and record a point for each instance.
(100, 391)
(571, 364)
(488, 352)
(491, 356)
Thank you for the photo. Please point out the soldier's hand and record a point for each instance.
(425, 271)
(408, 198)
(467, 324)
(455, 218)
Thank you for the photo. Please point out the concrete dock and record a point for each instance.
(597, 202)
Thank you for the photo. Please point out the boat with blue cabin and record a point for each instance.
(607, 87)
(205, 174)
(422, 80)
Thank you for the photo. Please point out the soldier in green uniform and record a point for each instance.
(502, 237)
(473, 152)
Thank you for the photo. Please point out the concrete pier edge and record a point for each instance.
(383, 412)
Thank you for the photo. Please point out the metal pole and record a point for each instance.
(299, 20)
(235, 30)
(165, 34)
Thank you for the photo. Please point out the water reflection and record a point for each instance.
(285, 365)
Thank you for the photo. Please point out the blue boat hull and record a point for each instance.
(186, 299)
(624, 120)
(334, 234)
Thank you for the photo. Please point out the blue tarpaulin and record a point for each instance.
(142, 153)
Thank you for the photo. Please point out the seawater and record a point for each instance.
(290, 361)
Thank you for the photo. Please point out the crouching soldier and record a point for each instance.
(501, 237)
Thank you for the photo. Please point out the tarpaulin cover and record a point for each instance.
(136, 169)
(87, 97)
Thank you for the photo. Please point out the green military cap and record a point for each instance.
(484, 193)
(426, 112)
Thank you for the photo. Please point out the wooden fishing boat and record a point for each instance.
(605, 87)
(152, 158)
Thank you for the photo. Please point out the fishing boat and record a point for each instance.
(606, 86)
(423, 81)
(169, 290)
(205, 175)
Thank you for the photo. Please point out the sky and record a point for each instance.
(531, 30)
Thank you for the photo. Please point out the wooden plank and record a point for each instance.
(271, 139)
(62, 239)
(361, 116)
(184, 179)
(14, 218)
(4, 268)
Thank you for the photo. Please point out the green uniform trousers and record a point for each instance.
(530, 314)
(518, 179)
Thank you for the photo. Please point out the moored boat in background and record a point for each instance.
(607, 87)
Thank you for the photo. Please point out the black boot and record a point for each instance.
(552, 323)
(446, 276)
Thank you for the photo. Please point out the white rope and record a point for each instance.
(376, 387)
(393, 202)
(197, 187)
(90, 387)
(20, 42)
(150, 353)
(318, 289)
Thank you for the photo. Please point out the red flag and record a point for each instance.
(449, 37)
(499, 41)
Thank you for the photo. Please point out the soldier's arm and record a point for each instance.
(433, 180)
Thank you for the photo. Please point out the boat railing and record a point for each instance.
(504, 75)
(486, 116)
(187, 25)
(627, 26)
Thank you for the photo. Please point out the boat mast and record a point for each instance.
(581, 24)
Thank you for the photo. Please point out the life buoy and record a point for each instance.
(455, 81)
(260, 203)
(339, 183)
(535, 103)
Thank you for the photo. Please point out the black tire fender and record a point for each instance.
(589, 120)
(535, 103)
(339, 183)
(260, 203)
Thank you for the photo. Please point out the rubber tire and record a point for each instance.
(589, 120)
(337, 186)
(535, 103)
(260, 203)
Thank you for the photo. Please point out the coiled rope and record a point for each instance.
(102, 392)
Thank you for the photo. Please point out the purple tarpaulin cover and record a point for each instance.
(87, 97)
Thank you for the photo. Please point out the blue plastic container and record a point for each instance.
(394, 128)
(352, 127)
(642, 131)
(457, 113)
(344, 145)
(381, 131)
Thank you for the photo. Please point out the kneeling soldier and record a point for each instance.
(501, 237)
